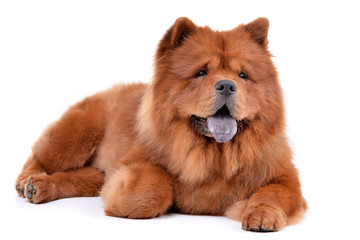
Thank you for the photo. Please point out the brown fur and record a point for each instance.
(141, 141)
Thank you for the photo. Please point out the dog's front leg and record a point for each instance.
(139, 189)
(272, 207)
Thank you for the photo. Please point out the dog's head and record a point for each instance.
(219, 81)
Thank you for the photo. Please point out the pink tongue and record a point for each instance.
(223, 128)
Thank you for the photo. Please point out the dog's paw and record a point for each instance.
(36, 189)
(22, 180)
(30, 190)
(19, 190)
(20, 185)
(263, 218)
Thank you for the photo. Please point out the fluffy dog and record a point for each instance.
(206, 136)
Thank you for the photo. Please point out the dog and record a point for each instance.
(206, 136)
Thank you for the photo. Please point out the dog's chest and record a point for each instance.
(212, 197)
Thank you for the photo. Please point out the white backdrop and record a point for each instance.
(54, 53)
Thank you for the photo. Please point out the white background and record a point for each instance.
(54, 53)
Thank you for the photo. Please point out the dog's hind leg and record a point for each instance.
(68, 144)
(82, 182)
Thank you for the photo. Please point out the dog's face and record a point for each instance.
(218, 80)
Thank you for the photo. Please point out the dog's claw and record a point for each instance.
(246, 227)
(30, 190)
(20, 191)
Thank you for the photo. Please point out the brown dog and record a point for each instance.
(205, 137)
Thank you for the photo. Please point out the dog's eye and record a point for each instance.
(201, 73)
(243, 75)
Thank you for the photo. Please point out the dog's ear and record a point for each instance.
(174, 37)
(258, 31)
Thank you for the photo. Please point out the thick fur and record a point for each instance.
(140, 144)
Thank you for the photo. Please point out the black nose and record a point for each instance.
(225, 87)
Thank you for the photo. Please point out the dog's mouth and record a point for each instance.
(222, 126)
